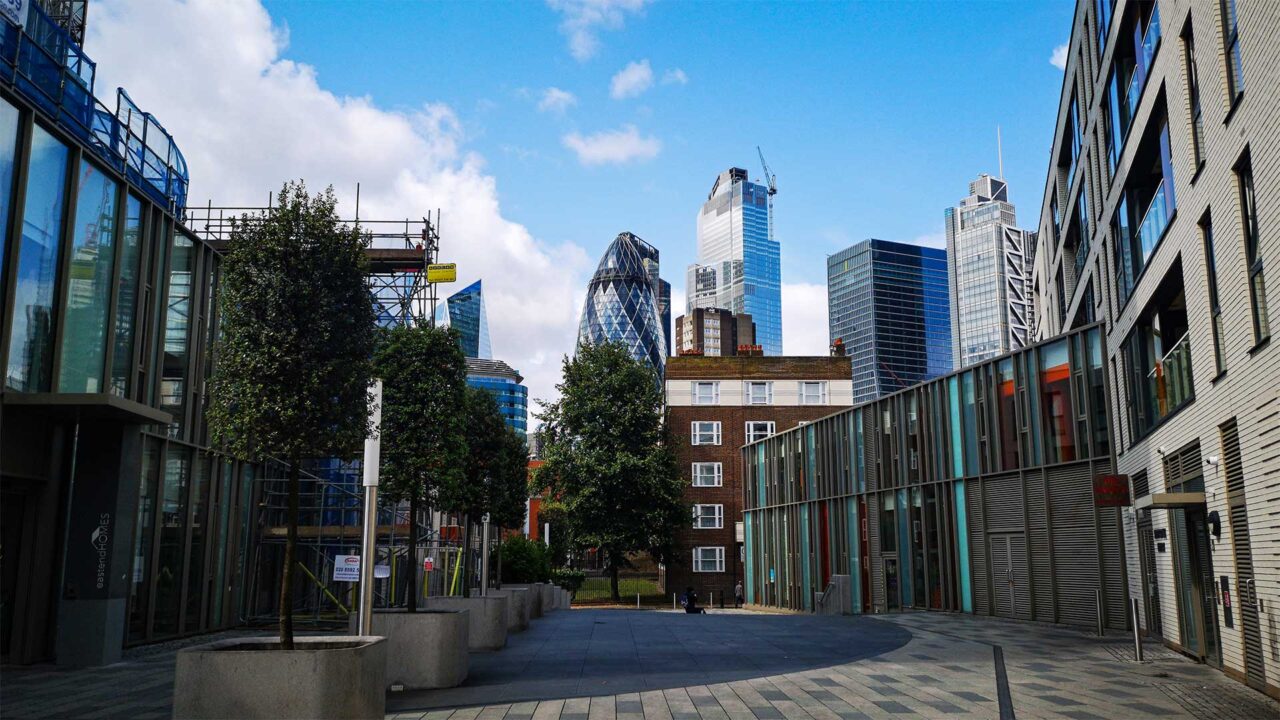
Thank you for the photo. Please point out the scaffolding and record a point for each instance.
(331, 493)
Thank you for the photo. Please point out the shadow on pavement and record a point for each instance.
(606, 652)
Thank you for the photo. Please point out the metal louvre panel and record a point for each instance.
(1255, 667)
(1004, 503)
(1071, 498)
(1041, 574)
(1232, 463)
(870, 445)
(1021, 588)
(1141, 485)
(1115, 598)
(1033, 481)
(1002, 602)
(1074, 547)
(873, 540)
(978, 559)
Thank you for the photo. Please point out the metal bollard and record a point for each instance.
(673, 601)
(1097, 594)
(1137, 638)
(637, 601)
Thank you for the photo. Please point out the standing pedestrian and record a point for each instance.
(737, 594)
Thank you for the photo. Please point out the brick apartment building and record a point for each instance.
(715, 405)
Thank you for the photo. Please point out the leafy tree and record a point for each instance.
(298, 331)
(606, 459)
(424, 444)
(524, 561)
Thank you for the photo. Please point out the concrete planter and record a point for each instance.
(548, 597)
(487, 619)
(322, 677)
(425, 649)
(517, 608)
(536, 609)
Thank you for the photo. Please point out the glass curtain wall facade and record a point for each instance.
(989, 272)
(505, 384)
(107, 315)
(739, 262)
(464, 311)
(888, 304)
(622, 302)
(973, 492)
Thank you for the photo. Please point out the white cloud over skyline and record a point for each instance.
(247, 118)
(631, 80)
(556, 100)
(804, 319)
(1059, 57)
(582, 21)
(675, 76)
(607, 147)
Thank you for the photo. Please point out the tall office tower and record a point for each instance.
(715, 331)
(1161, 220)
(506, 386)
(989, 274)
(464, 312)
(738, 259)
(887, 304)
(623, 301)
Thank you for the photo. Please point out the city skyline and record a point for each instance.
(488, 145)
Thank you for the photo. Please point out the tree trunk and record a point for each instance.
(613, 577)
(290, 546)
(412, 604)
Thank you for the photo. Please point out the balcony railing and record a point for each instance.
(1170, 379)
(1082, 251)
(1155, 220)
(41, 62)
(1145, 51)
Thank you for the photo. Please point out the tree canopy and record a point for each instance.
(496, 467)
(606, 460)
(293, 359)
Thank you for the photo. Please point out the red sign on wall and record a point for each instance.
(1111, 491)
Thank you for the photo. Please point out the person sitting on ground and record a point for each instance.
(690, 602)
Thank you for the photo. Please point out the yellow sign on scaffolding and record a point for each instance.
(442, 273)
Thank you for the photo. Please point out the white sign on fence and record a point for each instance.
(346, 568)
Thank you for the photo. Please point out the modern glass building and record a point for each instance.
(989, 272)
(622, 302)
(505, 384)
(464, 312)
(984, 491)
(739, 263)
(120, 524)
(887, 303)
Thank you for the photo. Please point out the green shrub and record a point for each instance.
(524, 561)
(568, 579)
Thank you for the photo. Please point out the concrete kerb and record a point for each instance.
(517, 607)
(322, 677)
(426, 649)
(488, 619)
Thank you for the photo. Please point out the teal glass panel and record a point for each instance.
(957, 442)
(749, 562)
(855, 557)
(962, 548)
(177, 322)
(31, 335)
(126, 297)
(84, 321)
(806, 592)
(810, 464)
(971, 429)
(862, 463)
(904, 548)
(760, 474)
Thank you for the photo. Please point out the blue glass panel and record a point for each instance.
(31, 339)
(9, 118)
(173, 385)
(127, 296)
(84, 321)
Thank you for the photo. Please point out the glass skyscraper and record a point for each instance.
(989, 276)
(464, 312)
(739, 265)
(623, 302)
(505, 384)
(887, 304)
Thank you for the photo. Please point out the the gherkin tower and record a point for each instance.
(623, 301)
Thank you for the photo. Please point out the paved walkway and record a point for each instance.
(634, 665)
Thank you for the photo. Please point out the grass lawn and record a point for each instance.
(596, 590)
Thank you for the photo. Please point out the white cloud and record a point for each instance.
(584, 19)
(933, 240)
(1059, 57)
(804, 319)
(631, 80)
(248, 118)
(612, 146)
(556, 100)
(675, 76)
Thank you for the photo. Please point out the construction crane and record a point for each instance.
(772, 181)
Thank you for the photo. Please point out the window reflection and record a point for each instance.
(127, 297)
(1059, 414)
(176, 336)
(84, 322)
(173, 530)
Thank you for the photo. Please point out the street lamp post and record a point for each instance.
(372, 458)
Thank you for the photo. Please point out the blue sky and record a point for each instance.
(542, 129)
(873, 115)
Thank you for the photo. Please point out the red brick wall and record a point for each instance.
(733, 421)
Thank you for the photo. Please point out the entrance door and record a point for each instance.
(1151, 583)
(891, 583)
(1009, 575)
(1194, 576)
(12, 514)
